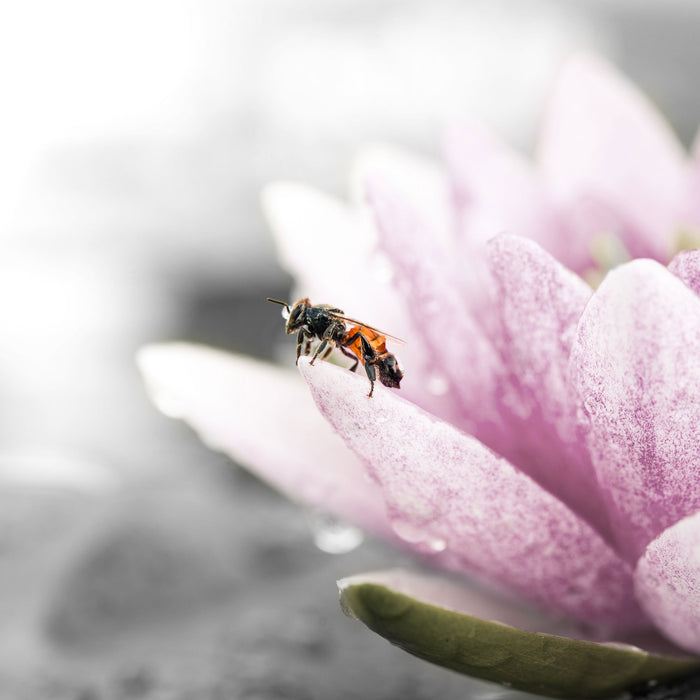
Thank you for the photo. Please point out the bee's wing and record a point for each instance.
(343, 317)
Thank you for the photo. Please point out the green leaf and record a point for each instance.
(546, 664)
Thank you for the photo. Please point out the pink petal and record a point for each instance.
(323, 243)
(422, 181)
(635, 366)
(539, 303)
(448, 494)
(330, 249)
(496, 191)
(264, 418)
(686, 266)
(606, 149)
(465, 364)
(667, 582)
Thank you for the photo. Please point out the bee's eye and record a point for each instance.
(295, 315)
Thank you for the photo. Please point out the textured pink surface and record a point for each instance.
(667, 582)
(429, 275)
(604, 148)
(447, 493)
(263, 417)
(686, 265)
(539, 305)
(635, 364)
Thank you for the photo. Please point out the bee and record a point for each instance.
(361, 343)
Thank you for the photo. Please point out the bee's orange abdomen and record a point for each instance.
(377, 341)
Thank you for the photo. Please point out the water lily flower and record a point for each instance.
(546, 437)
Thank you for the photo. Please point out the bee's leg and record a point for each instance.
(300, 342)
(327, 352)
(351, 355)
(369, 357)
(325, 342)
(349, 341)
(303, 341)
(372, 376)
(319, 349)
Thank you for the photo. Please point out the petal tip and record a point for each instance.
(276, 196)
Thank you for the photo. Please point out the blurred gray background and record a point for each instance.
(134, 140)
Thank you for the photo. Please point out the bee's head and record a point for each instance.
(297, 315)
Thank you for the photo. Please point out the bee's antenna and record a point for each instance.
(277, 301)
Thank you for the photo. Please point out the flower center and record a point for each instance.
(687, 238)
(608, 251)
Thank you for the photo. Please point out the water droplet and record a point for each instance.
(436, 544)
(414, 534)
(408, 531)
(334, 536)
(438, 385)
